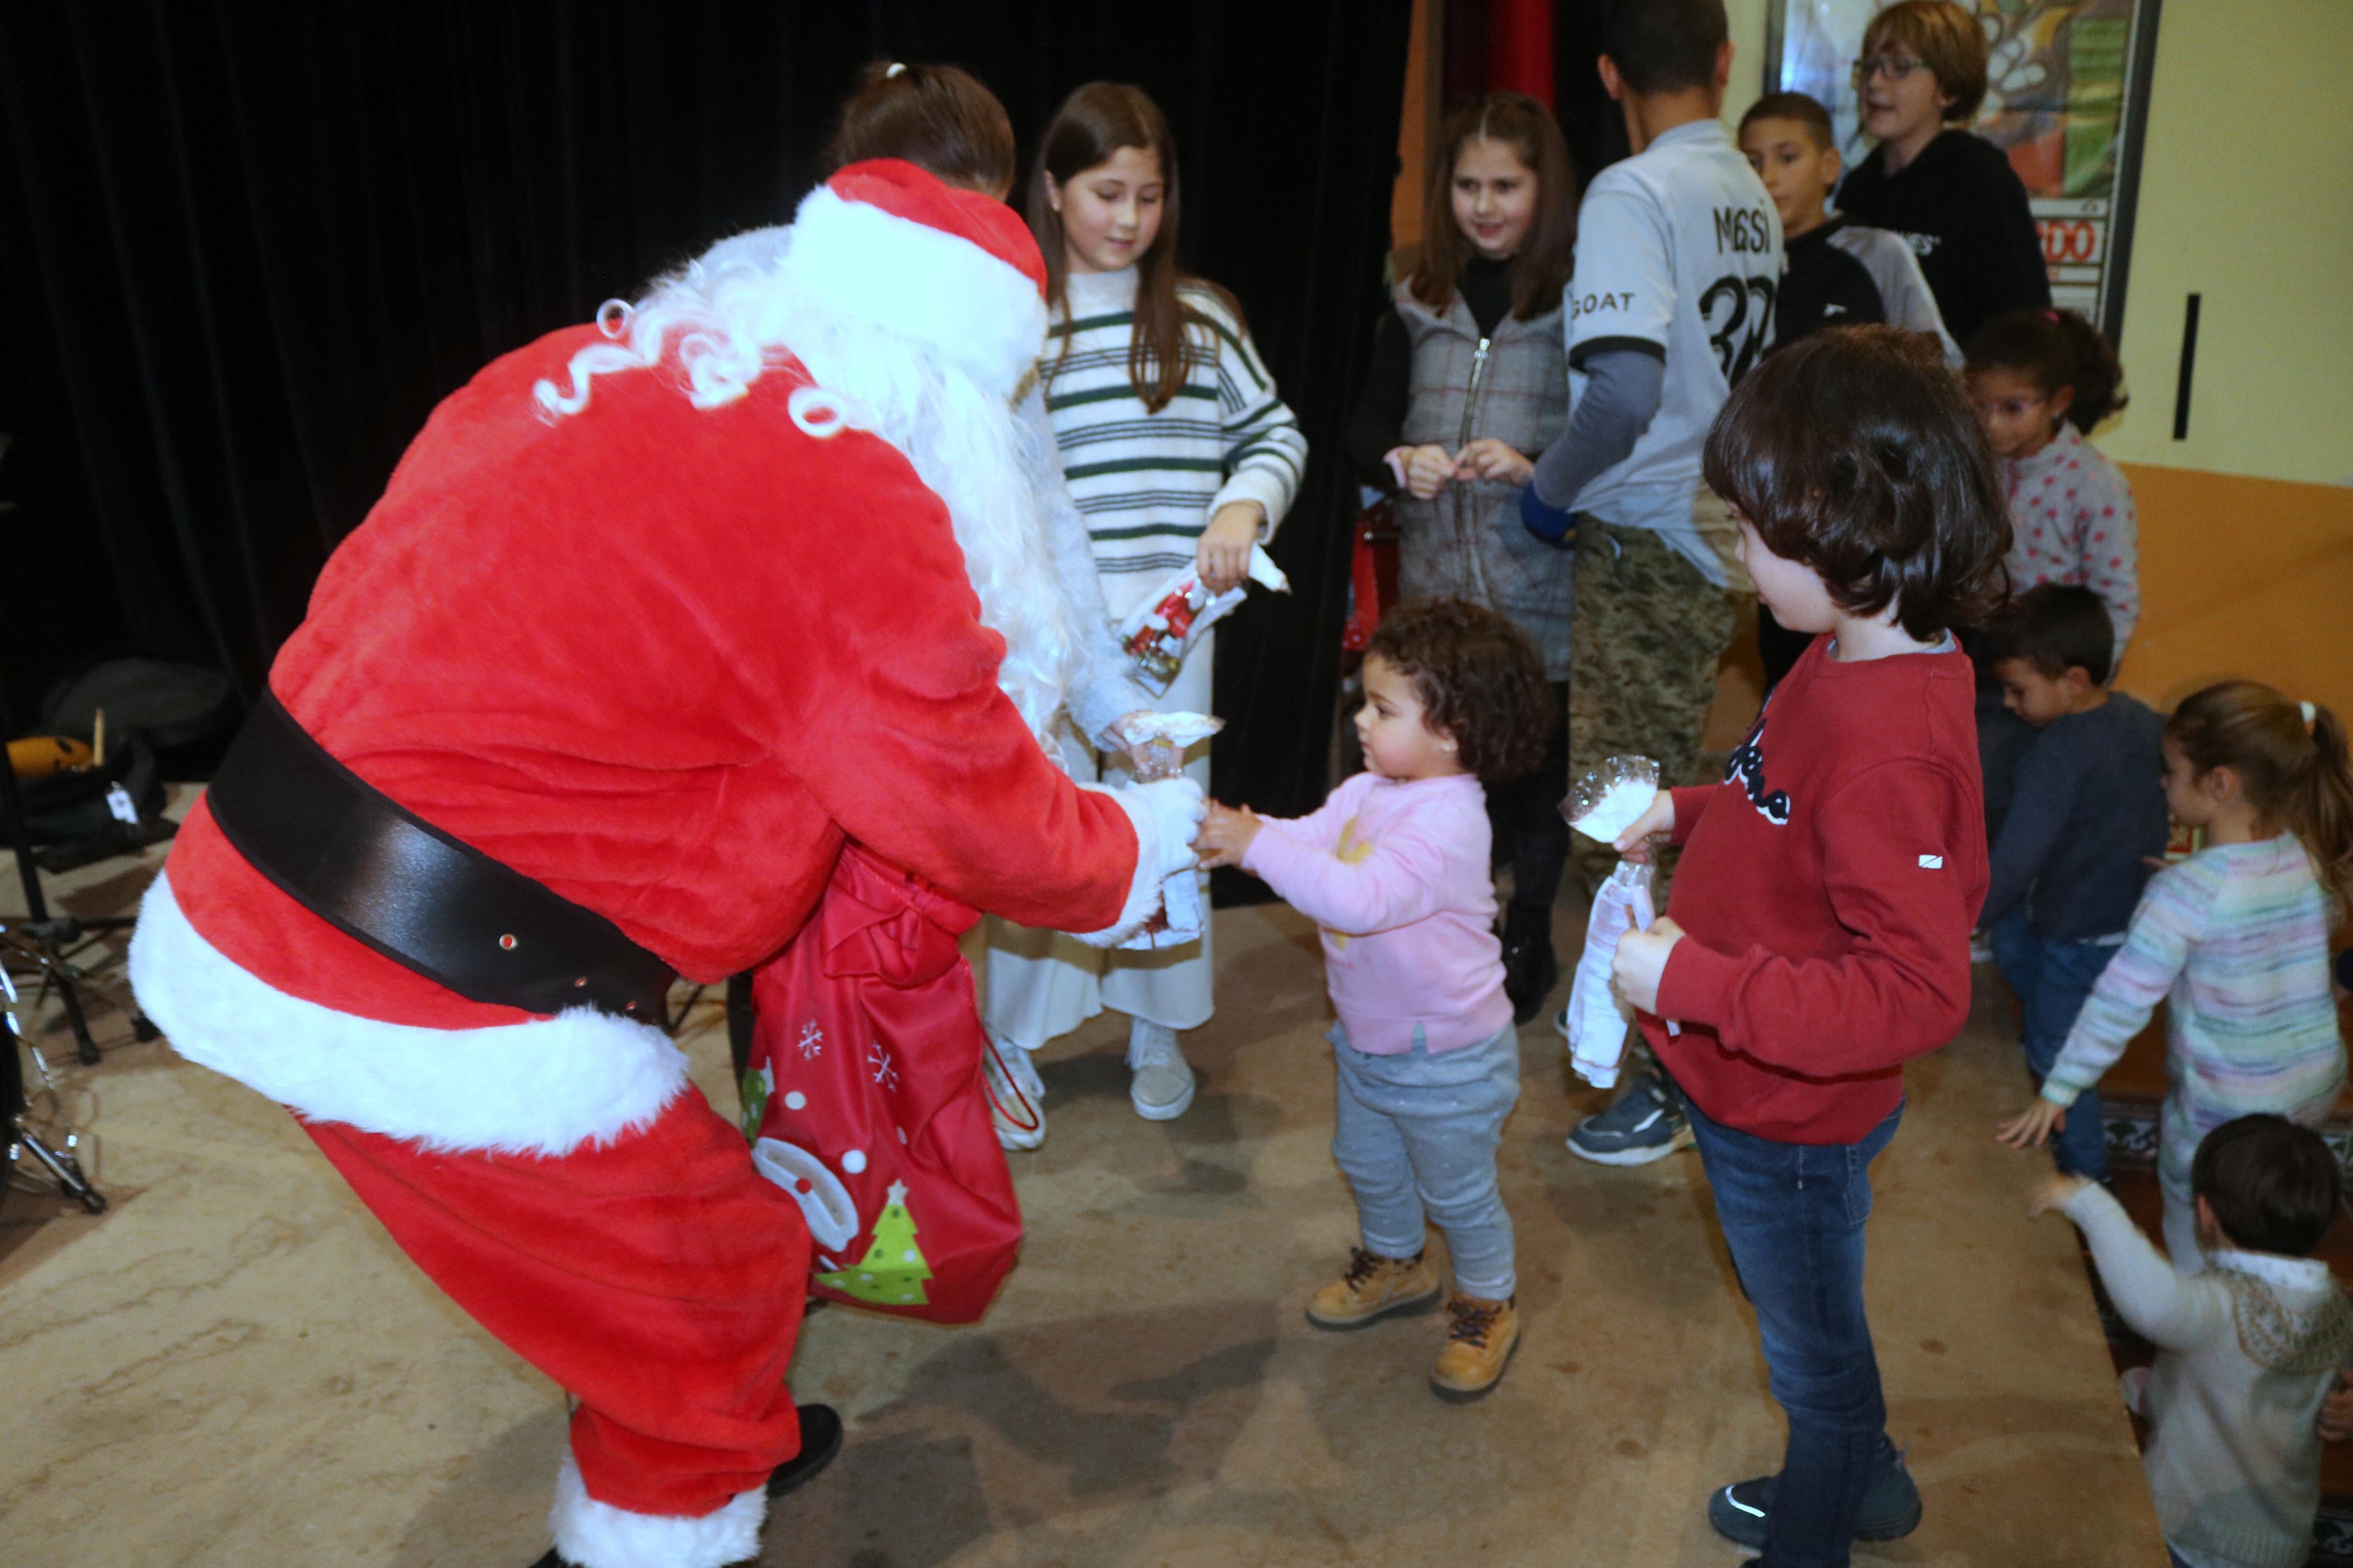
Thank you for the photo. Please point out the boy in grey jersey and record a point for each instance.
(1678, 266)
(1678, 263)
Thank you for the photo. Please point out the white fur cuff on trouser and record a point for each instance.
(1167, 815)
(598, 1535)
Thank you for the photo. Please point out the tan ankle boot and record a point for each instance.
(1374, 1288)
(1481, 1336)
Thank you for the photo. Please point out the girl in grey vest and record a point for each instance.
(1468, 382)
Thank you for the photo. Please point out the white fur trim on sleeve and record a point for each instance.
(598, 1535)
(1166, 816)
(542, 1088)
(887, 271)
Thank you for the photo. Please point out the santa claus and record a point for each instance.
(653, 616)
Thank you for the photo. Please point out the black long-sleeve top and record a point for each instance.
(1962, 209)
(1377, 426)
(2087, 806)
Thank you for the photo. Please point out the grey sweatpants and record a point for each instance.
(1416, 1136)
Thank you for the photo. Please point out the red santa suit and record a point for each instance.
(658, 617)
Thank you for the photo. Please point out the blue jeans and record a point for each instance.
(1793, 1215)
(2052, 979)
(1416, 1136)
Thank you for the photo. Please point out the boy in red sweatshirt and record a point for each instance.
(1818, 931)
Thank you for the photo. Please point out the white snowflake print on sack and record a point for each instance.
(812, 1042)
(886, 1076)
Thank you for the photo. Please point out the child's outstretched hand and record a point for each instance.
(1640, 960)
(1225, 835)
(2054, 1191)
(1635, 844)
(2033, 1128)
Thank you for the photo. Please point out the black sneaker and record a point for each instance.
(1529, 966)
(1891, 1504)
(1646, 1124)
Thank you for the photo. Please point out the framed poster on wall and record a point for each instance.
(2067, 98)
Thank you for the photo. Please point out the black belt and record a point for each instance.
(381, 874)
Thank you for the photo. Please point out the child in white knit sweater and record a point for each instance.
(2246, 1349)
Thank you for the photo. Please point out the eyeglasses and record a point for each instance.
(1894, 67)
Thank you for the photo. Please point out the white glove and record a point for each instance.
(1166, 816)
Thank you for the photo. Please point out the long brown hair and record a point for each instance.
(1096, 121)
(938, 118)
(2293, 771)
(1541, 269)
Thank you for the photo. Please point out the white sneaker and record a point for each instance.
(1162, 1090)
(1016, 1097)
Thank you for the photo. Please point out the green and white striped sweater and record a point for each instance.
(1148, 484)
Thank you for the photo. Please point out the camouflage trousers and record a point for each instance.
(1645, 639)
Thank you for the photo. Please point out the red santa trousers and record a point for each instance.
(659, 1278)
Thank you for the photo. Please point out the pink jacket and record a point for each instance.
(1395, 873)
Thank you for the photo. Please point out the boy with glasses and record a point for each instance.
(1951, 195)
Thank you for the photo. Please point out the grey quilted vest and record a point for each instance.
(1468, 540)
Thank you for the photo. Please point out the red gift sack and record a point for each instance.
(863, 1098)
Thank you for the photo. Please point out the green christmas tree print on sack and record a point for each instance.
(893, 1270)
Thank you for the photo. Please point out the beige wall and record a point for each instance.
(2246, 199)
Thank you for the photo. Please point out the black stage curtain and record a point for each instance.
(247, 246)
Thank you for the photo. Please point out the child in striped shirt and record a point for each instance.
(1179, 453)
(2234, 940)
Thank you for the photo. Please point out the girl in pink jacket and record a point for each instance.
(1395, 868)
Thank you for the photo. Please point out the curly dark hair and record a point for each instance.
(2055, 349)
(1855, 451)
(1479, 679)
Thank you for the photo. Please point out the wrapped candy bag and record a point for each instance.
(1601, 805)
(1613, 798)
(1598, 1020)
(1160, 632)
(1159, 741)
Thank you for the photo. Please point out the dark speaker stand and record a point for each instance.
(62, 1164)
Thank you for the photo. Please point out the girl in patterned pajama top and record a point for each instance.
(2042, 380)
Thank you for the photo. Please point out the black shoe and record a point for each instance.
(1529, 966)
(820, 1441)
(1891, 1504)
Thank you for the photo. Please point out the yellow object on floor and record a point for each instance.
(38, 757)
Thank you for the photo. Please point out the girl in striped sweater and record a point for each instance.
(1178, 452)
(2234, 940)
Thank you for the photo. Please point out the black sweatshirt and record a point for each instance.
(1822, 286)
(1377, 426)
(1962, 209)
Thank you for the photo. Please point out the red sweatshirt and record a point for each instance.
(1827, 889)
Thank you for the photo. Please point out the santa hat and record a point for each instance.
(887, 244)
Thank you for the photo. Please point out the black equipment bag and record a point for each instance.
(75, 817)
